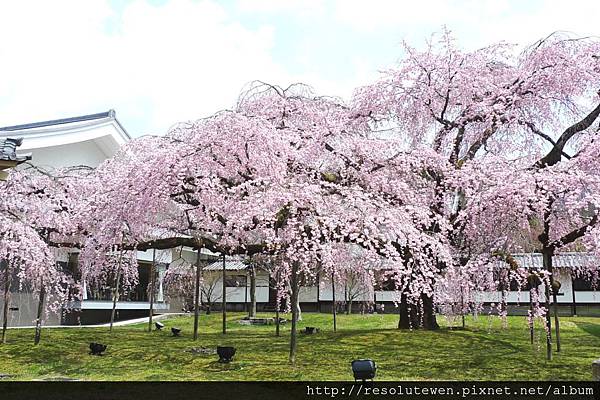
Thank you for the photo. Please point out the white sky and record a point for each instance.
(160, 62)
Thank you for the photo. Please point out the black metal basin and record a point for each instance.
(364, 369)
(225, 353)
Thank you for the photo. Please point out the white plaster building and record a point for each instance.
(91, 139)
(85, 140)
(576, 296)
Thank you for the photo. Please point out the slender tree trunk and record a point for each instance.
(252, 291)
(152, 279)
(224, 302)
(116, 289)
(40, 312)
(294, 299)
(197, 297)
(6, 302)
(333, 303)
(349, 306)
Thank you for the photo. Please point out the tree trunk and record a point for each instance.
(6, 302)
(294, 299)
(547, 259)
(197, 297)
(151, 294)
(252, 291)
(349, 306)
(414, 317)
(224, 299)
(333, 303)
(40, 312)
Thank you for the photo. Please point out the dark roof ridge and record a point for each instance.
(89, 117)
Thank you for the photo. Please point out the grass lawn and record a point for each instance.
(484, 351)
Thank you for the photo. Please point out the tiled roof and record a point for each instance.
(61, 121)
(8, 150)
(525, 260)
(230, 265)
(22, 129)
(561, 260)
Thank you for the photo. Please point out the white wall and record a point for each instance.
(326, 292)
(162, 256)
(308, 294)
(241, 294)
(565, 293)
(387, 295)
(81, 153)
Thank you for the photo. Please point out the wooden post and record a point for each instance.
(152, 278)
(319, 291)
(252, 291)
(556, 321)
(224, 298)
(333, 303)
(294, 300)
(246, 309)
(531, 325)
(596, 371)
(462, 307)
(547, 257)
(6, 301)
(573, 291)
(374, 299)
(197, 297)
(40, 311)
(277, 323)
(116, 290)
(346, 300)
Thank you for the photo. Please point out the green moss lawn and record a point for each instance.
(484, 351)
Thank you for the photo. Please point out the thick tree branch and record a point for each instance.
(554, 155)
(544, 136)
(575, 234)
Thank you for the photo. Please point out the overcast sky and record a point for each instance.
(160, 62)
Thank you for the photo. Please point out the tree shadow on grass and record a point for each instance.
(592, 329)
